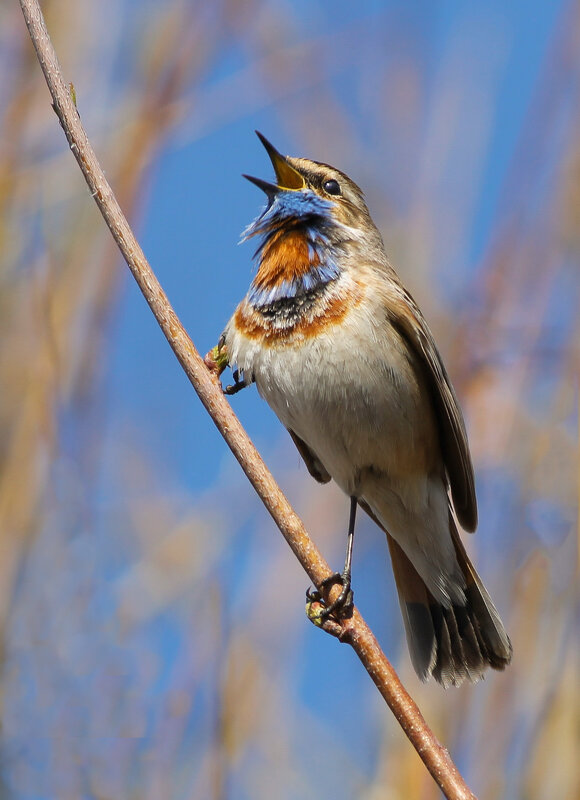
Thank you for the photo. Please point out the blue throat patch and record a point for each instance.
(314, 215)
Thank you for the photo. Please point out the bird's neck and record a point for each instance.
(294, 261)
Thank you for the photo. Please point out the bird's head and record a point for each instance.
(312, 193)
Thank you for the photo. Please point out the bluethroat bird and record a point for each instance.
(342, 354)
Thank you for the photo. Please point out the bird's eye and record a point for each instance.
(331, 187)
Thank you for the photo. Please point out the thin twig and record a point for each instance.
(205, 382)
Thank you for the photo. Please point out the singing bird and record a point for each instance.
(342, 354)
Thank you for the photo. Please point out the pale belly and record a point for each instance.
(352, 394)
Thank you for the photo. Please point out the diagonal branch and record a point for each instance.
(205, 382)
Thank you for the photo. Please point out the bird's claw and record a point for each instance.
(237, 385)
(339, 608)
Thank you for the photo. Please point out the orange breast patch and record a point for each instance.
(285, 257)
(327, 312)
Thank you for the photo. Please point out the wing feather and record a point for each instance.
(313, 464)
(406, 317)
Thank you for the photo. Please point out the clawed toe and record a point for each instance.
(237, 386)
(339, 608)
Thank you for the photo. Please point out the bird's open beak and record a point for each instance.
(286, 175)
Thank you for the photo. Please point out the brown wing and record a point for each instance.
(313, 464)
(406, 317)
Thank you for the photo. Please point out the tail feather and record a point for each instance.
(455, 643)
(495, 642)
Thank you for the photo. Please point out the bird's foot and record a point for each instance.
(237, 386)
(342, 606)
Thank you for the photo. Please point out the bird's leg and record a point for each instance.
(344, 602)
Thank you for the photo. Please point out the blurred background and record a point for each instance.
(152, 627)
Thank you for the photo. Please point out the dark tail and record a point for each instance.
(456, 643)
